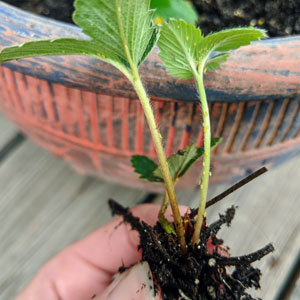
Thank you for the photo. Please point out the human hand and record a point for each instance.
(85, 269)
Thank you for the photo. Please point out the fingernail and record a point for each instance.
(135, 283)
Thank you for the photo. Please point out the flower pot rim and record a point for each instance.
(249, 74)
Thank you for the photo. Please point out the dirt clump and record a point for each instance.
(201, 273)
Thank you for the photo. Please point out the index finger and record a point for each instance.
(115, 244)
(85, 268)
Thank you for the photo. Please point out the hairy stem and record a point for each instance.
(206, 160)
(163, 206)
(156, 137)
(161, 216)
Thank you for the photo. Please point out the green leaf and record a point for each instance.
(178, 44)
(177, 9)
(166, 225)
(145, 167)
(50, 47)
(118, 26)
(224, 41)
(151, 44)
(114, 27)
(180, 162)
(215, 62)
(231, 39)
(184, 50)
(200, 152)
(177, 162)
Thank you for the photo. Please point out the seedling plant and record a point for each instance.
(122, 33)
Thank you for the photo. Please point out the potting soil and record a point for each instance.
(278, 17)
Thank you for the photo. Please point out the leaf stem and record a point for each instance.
(156, 137)
(161, 216)
(206, 160)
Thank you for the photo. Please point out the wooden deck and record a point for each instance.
(45, 206)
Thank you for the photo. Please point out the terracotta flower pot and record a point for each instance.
(86, 112)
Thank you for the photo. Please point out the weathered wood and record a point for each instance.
(296, 293)
(45, 206)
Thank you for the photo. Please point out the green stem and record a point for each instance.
(156, 137)
(161, 216)
(206, 161)
(163, 206)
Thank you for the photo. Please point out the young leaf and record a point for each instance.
(178, 44)
(230, 39)
(180, 162)
(177, 162)
(184, 49)
(122, 27)
(177, 9)
(200, 152)
(226, 40)
(145, 167)
(215, 62)
(121, 32)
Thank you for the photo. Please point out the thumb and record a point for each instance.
(135, 283)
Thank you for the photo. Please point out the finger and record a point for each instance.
(133, 284)
(115, 244)
(85, 268)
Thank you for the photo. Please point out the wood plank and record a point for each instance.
(269, 210)
(7, 129)
(296, 293)
(45, 206)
